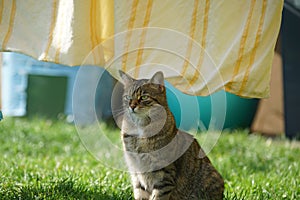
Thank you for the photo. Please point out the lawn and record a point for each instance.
(44, 159)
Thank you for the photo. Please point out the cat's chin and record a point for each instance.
(139, 112)
(140, 119)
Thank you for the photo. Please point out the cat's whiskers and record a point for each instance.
(118, 112)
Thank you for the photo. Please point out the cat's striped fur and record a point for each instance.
(165, 163)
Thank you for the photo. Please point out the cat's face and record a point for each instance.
(143, 96)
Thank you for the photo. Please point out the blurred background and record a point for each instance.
(34, 88)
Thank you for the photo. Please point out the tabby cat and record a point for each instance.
(164, 162)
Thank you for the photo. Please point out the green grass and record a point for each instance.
(43, 159)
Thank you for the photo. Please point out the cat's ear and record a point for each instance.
(126, 78)
(158, 78)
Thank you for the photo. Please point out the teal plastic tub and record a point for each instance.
(219, 111)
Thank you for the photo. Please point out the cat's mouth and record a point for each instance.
(137, 110)
(139, 115)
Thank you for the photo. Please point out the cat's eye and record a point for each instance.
(144, 97)
(127, 97)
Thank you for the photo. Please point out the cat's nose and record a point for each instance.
(132, 108)
(133, 105)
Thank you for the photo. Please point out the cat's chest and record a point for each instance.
(148, 131)
(139, 144)
(141, 132)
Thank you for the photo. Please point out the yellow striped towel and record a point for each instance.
(200, 45)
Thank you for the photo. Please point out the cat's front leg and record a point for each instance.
(139, 191)
(141, 194)
(160, 195)
(164, 183)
